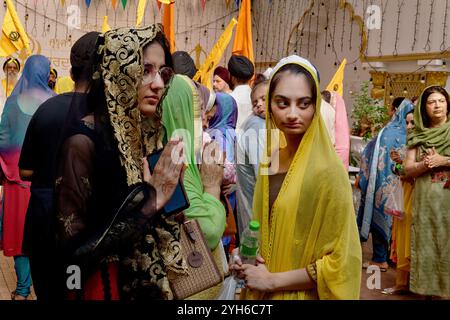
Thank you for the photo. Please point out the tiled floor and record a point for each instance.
(8, 278)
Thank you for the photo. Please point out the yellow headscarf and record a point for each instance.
(313, 218)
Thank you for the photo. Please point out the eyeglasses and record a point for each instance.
(150, 72)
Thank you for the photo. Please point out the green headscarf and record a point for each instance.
(182, 117)
(427, 138)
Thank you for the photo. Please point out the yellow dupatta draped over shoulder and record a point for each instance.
(312, 219)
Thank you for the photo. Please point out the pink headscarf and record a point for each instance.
(342, 130)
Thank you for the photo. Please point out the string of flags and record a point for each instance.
(159, 2)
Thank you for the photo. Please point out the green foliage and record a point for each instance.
(368, 114)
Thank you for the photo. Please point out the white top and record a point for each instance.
(242, 95)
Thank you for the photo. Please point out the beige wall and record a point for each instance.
(273, 25)
(190, 24)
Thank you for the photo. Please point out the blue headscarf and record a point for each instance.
(34, 77)
(376, 177)
(222, 125)
(29, 93)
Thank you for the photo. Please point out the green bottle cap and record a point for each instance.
(254, 225)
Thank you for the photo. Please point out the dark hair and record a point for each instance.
(326, 95)
(162, 40)
(397, 102)
(423, 102)
(259, 78)
(256, 84)
(414, 99)
(296, 70)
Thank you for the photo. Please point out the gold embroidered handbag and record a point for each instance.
(203, 272)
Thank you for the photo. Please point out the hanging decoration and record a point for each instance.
(427, 47)
(351, 27)
(27, 16)
(243, 40)
(368, 32)
(105, 26)
(140, 12)
(276, 23)
(168, 24)
(317, 28)
(326, 30)
(203, 2)
(63, 2)
(114, 4)
(416, 25)
(382, 26)
(55, 2)
(400, 6)
(160, 2)
(124, 4)
(343, 29)
(444, 34)
(227, 3)
(45, 27)
(334, 26)
(309, 33)
(88, 3)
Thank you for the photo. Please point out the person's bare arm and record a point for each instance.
(412, 167)
(26, 175)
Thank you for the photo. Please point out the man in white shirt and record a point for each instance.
(241, 70)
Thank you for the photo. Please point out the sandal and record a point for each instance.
(18, 297)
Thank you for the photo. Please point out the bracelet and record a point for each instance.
(311, 269)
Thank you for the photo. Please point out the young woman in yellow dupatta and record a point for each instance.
(309, 239)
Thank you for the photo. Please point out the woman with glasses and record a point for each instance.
(108, 202)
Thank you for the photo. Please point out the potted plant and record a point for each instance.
(369, 115)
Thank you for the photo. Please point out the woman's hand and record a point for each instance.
(235, 263)
(434, 159)
(258, 277)
(229, 188)
(211, 169)
(167, 172)
(395, 156)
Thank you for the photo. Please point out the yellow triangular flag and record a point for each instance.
(337, 82)
(14, 38)
(105, 26)
(140, 12)
(243, 40)
(213, 58)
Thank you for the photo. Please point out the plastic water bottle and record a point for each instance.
(250, 243)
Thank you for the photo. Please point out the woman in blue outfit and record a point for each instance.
(377, 182)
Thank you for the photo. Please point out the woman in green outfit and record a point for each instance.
(428, 160)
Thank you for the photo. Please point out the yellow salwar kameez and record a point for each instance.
(312, 219)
